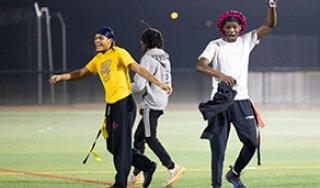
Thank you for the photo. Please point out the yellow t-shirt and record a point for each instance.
(112, 68)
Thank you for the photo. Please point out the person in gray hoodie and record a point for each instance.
(152, 103)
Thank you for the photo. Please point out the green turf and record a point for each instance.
(55, 141)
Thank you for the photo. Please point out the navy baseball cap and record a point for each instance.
(106, 31)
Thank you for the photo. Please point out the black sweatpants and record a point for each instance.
(146, 132)
(120, 119)
(241, 115)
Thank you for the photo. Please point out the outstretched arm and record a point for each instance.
(204, 68)
(271, 19)
(74, 75)
(135, 67)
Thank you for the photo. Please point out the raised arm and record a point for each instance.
(74, 75)
(271, 19)
(135, 67)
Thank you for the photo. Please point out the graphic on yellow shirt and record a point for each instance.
(105, 70)
(112, 67)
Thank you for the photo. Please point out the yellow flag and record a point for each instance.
(104, 128)
(96, 156)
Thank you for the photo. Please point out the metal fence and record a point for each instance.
(265, 88)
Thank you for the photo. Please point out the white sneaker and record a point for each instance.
(138, 179)
(174, 174)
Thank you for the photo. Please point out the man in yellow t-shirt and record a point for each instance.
(112, 64)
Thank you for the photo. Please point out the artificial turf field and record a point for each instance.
(43, 147)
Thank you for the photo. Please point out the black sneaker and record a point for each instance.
(234, 179)
(148, 175)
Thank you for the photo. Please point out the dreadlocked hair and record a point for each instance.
(151, 38)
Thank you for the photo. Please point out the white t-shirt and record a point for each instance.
(232, 59)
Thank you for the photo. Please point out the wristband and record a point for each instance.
(272, 3)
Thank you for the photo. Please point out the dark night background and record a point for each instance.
(185, 37)
(288, 56)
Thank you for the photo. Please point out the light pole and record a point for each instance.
(44, 11)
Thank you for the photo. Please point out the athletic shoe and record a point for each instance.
(174, 174)
(234, 179)
(136, 179)
(148, 175)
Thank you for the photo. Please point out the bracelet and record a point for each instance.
(272, 3)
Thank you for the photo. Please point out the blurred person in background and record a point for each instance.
(153, 103)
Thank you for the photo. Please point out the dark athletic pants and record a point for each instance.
(241, 115)
(146, 132)
(120, 120)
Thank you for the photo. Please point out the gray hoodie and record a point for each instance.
(149, 95)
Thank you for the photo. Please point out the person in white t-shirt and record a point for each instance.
(229, 57)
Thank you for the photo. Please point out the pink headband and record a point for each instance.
(232, 13)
